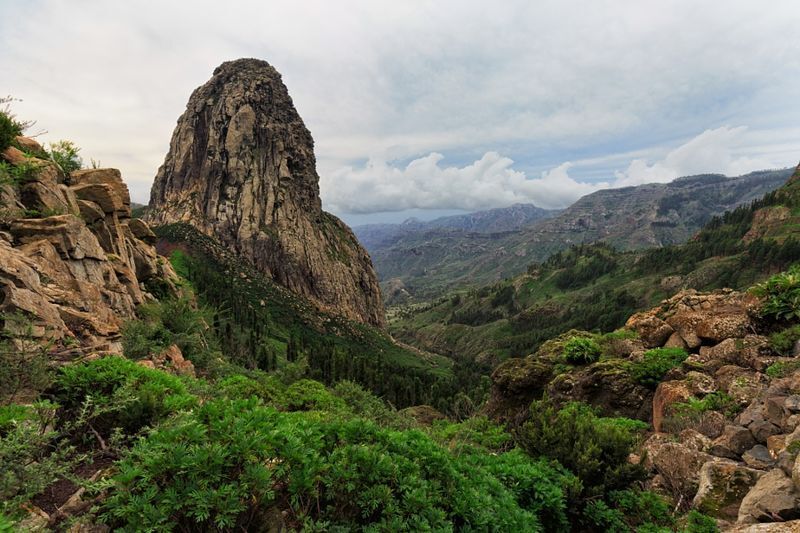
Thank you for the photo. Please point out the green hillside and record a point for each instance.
(265, 326)
(596, 287)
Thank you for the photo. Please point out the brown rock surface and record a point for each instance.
(241, 167)
(722, 486)
(668, 393)
(74, 277)
(773, 498)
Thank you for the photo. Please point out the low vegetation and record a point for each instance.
(650, 370)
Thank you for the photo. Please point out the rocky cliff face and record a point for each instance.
(241, 168)
(73, 264)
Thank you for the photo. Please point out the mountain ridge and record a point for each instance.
(630, 218)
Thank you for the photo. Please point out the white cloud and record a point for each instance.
(492, 181)
(425, 184)
(543, 81)
(713, 151)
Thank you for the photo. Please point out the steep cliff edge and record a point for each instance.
(241, 168)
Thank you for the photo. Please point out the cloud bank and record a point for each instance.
(538, 82)
(491, 181)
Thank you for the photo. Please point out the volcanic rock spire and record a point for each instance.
(241, 168)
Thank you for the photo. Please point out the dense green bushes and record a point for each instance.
(172, 321)
(655, 363)
(32, 455)
(118, 393)
(9, 129)
(596, 449)
(233, 463)
(65, 156)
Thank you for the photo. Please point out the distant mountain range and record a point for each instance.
(377, 236)
(423, 259)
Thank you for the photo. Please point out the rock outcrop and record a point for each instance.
(73, 264)
(241, 168)
(726, 431)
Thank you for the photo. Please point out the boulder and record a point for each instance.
(776, 443)
(676, 341)
(712, 424)
(90, 211)
(741, 384)
(667, 394)
(516, 382)
(700, 384)
(792, 526)
(678, 464)
(606, 384)
(722, 485)
(14, 155)
(171, 359)
(102, 194)
(30, 145)
(653, 331)
(141, 230)
(111, 178)
(773, 498)
(758, 457)
(792, 403)
(734, 441)
(45, 198)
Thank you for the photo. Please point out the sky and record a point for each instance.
(430, 108)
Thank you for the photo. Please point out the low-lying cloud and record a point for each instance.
(491, 181)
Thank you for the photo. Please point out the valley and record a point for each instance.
(229, 358)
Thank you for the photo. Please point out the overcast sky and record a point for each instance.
(430, 107)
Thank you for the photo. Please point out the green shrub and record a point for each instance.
(781, 294)
(23, 359)
(363, 403)
(18, 174)
(230, 464)
(782, 369)
(697, 522)
(240, 387)
(581, 351)
(6, 524)
(716, 401)
(65, 155)
(655, 364)
(9, 129)
(308, 395)
(119, 393)
(478, 431)
(783, 341)
(32, 456)
(142, 338)
(692, 412)
(172, 321)
(594, 448)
